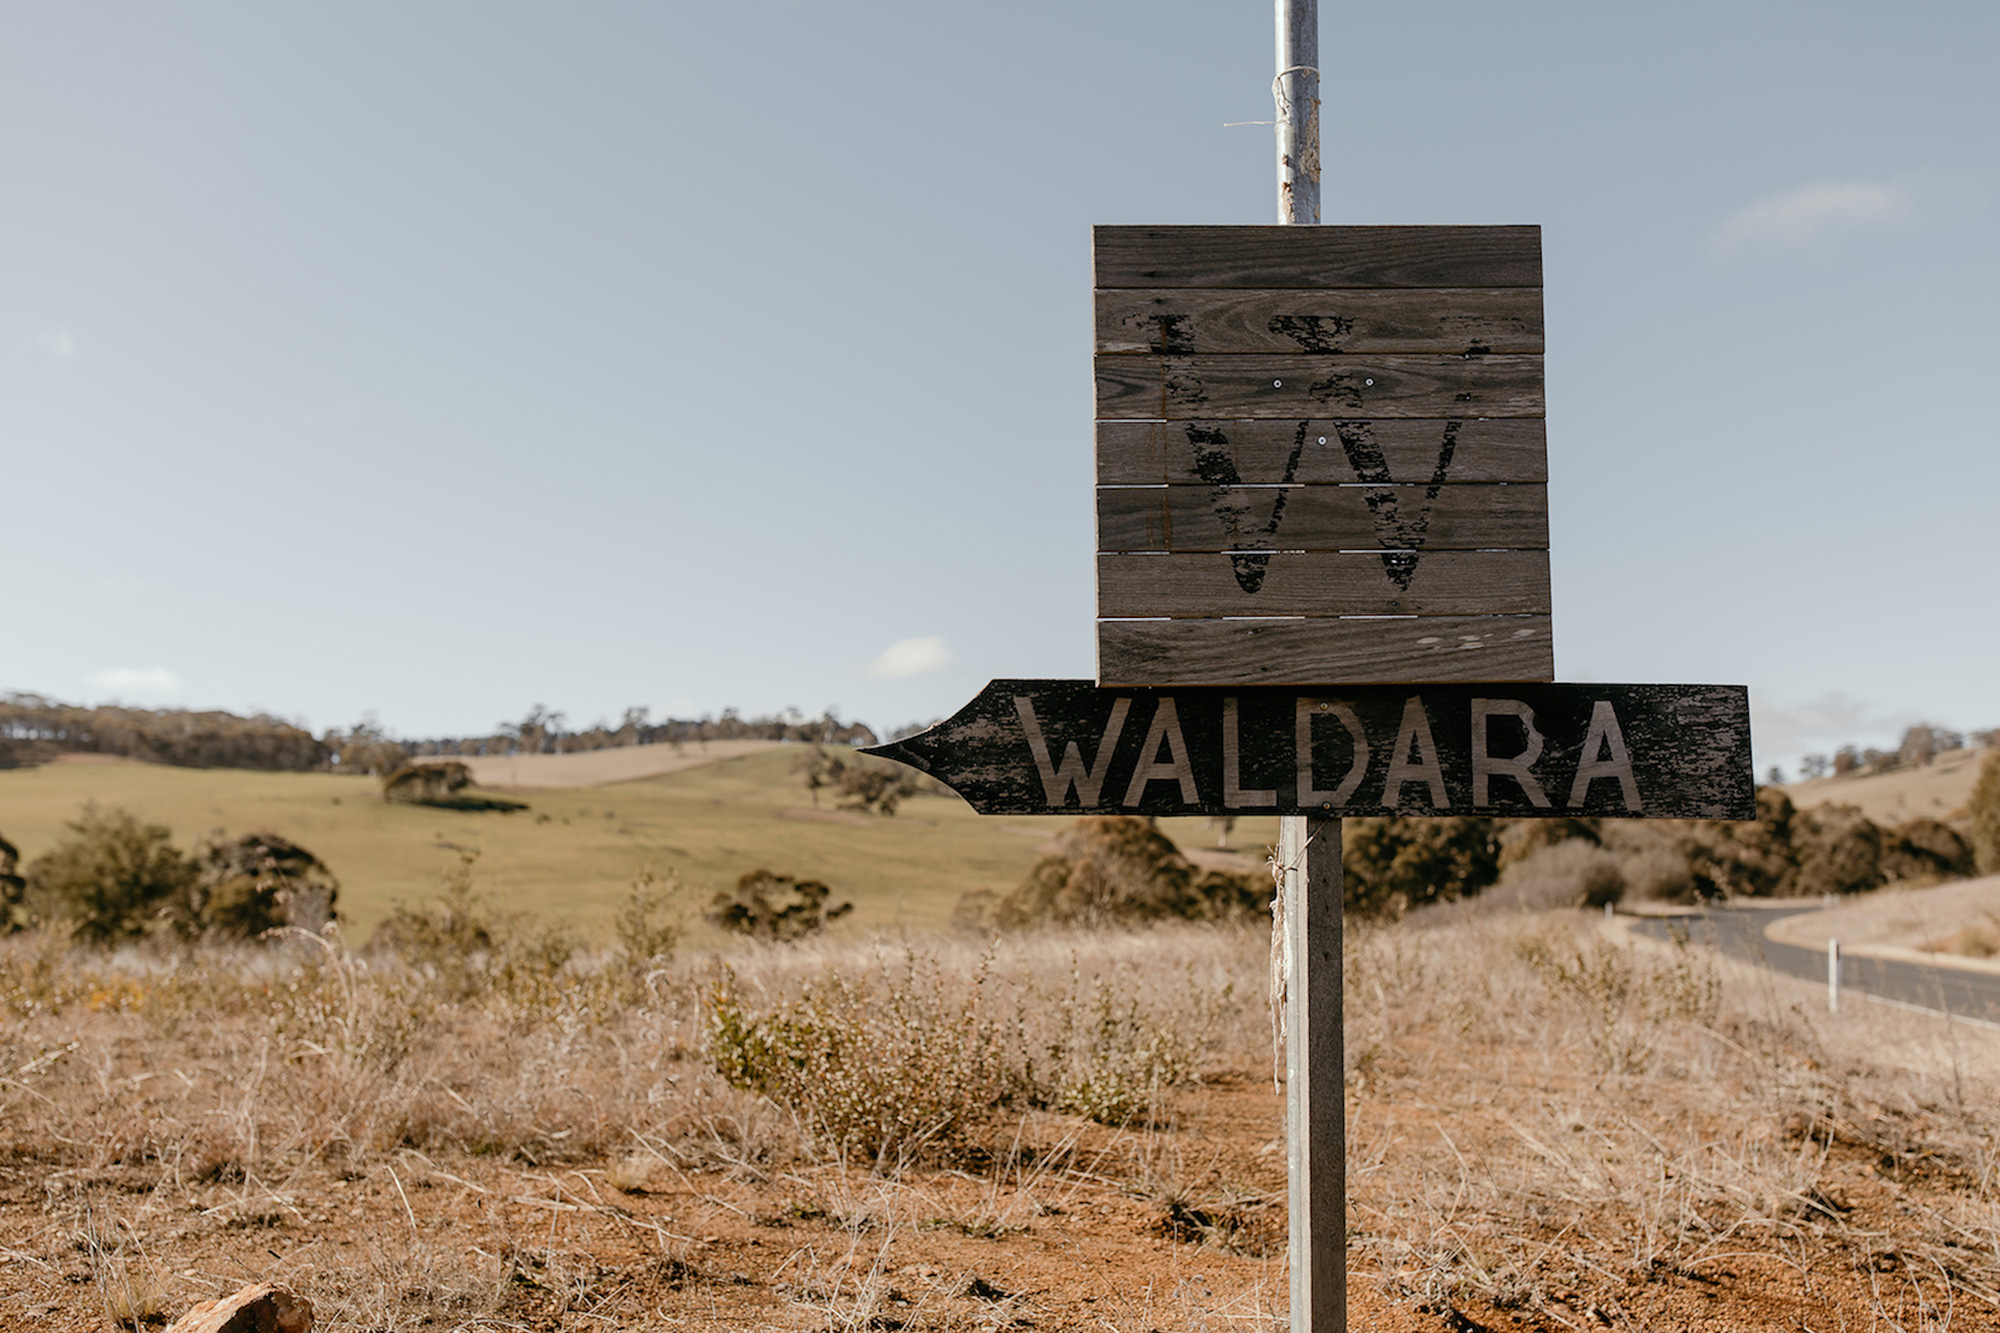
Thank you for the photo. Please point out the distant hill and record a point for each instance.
(1935, 790)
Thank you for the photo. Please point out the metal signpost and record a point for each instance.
(1323, 589)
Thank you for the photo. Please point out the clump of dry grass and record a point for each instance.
(908, 1052)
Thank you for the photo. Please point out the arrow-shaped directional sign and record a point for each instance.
(1054, 746)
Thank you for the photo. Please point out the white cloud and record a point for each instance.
(911, 657)
(57, 342)
(143, 685)
(1819, 218)
(1822, 724)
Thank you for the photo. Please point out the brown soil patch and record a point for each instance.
(1090, 1243)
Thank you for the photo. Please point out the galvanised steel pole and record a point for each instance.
(1297, 92)
(1309, 847)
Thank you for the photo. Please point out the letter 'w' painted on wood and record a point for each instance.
(1087, 781)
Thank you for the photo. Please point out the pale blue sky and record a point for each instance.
(436, 359)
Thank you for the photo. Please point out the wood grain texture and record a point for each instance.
(1187, 321)
(1478, 748)
(1314, 450)
(1322, 518)
(1315, 1069)
(1325, 257)
(1294, 652)
(1318, 583)
(1298, 387)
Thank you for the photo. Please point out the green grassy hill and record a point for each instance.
(573, 852)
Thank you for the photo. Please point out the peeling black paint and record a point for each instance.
(1216, 465)
(1316, 334)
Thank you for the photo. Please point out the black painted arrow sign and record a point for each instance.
(1633, 751)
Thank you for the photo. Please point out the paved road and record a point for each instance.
(1739, 933)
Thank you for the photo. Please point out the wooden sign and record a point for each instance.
(1320, 455)
(1520, 751)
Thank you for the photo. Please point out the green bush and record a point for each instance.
(14, 913)
(245, 886)
(112, 876)
(1839, 850)
(1754, 859)
(1985, 810)
(905, 1058)
(1109, 869)
(648, 926)
(425, 784)
(758, 908)
(1389, 865)
(879, 1069)
(1925, 849)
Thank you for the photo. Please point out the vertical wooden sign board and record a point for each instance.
(1320, 455)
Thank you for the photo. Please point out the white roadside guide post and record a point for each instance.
(1323, 589)
(1311, 953)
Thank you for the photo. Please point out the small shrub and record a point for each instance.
(1108, 869)
(425, 784)
(883, 1072)
(1110, 1057)
(1984, 807)
(112, 877)
(1840, 851)
(1572, 873)
(1392, 864)
(1755, 859)
(756, 907)
(441, 785)
(248, 885)
(648, 926)
(1925, 849)
(876, 788)
(14, 914)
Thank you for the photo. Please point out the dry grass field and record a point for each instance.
(1551, 1128)
(575, 850)
(892, 1127)
(595, 768)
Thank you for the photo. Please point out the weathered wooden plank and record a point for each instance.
(1468, 517)
(1322, 583)
(1188, 387)
(1309, 917)
(1320, 450)
(1192, 320)
(1292, 652)
(1513, 750)
(1317, 256)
